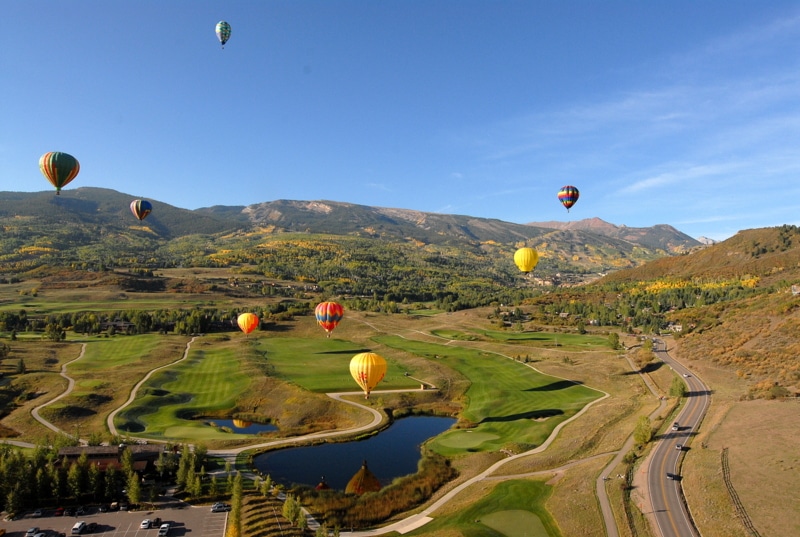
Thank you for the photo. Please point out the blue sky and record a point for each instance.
(661, 112)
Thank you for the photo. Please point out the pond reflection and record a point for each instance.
(392, 453)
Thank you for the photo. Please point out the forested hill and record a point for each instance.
(86, 226)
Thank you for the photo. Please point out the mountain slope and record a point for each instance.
(661, 236)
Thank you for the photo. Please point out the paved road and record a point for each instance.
(666, 495)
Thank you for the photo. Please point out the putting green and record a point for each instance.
(515, 523)
(465, 439)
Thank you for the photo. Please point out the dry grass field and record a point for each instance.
(762, 438)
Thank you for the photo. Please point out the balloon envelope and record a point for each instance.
(368, 369)
(59, 168)
(568, 195)
(141, 208)
(328, 315)
(247, 322)
(223, 32)
(526, 259)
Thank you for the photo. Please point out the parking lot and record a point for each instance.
(184, 520)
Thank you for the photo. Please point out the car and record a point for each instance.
(91, 527)
(156, 522)
(679, 447)
(123, 506)
(40, 534)
(81, 511)
(145, 525)
(59, 512)
(69, 511)
(220, 507)
(687, 375)
(675, 426)
(32, 531)
(104, 508)
(163, 530)
(38, 513)
(670, 476)
(114, 506)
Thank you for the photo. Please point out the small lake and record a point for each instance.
(393, 452)
(243, 427)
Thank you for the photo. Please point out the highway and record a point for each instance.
(664, 471)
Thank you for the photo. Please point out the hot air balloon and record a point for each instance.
(141, 208)
(223, 32)
(59, 168)
(526, 259)
(568, 195)
(247, 322)
(241, 424)
(368, 369)
(328, 315)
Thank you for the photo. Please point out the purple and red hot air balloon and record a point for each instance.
(568, 195)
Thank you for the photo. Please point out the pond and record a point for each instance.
(243, 427)
(392, 453)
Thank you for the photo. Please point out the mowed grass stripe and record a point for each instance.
(508, 401)
(323, 365)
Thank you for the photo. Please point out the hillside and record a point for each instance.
(737, 304)
(92, 226)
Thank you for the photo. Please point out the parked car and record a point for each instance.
(219, 507)
(69, 511)
(59, 512)
(80, 511)
(145, 525)
(32, 531)
(163, 530)
(104, 508)
(91, 527)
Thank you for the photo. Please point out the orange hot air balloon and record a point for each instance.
(242, 424)
(526, 259)
(368, 369)
(247, 322)
(328, 315)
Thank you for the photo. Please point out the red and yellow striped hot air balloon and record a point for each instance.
(59, 168)
(328, 315)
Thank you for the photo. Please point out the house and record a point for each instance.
(144, 456)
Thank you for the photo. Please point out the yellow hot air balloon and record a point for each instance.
(526, 259)
(368, 369)
(247, 322)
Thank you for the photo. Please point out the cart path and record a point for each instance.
(70, 386)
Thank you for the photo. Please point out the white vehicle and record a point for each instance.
(145, 525)
(687, 375)
(78, 528)
(675, 426)
(163, 530)
(220, 507)
(31, 532)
